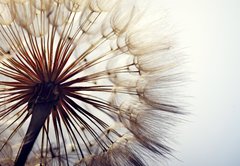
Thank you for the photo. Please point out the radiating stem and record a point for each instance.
(40, 113)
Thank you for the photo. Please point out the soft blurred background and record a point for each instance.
(209, 32)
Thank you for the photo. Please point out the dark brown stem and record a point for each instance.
(40, 113)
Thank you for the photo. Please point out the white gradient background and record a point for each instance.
(209, 32)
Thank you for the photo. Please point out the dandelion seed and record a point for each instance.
(83, 84)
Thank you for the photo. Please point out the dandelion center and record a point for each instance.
(44, 93)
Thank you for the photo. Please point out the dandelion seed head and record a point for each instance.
(82, 83)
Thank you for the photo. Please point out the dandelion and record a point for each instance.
(82, 83)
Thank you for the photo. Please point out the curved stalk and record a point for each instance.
(40, 113)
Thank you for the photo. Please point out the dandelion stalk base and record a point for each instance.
(40, 106)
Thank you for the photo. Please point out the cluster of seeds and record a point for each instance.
(85, 82)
